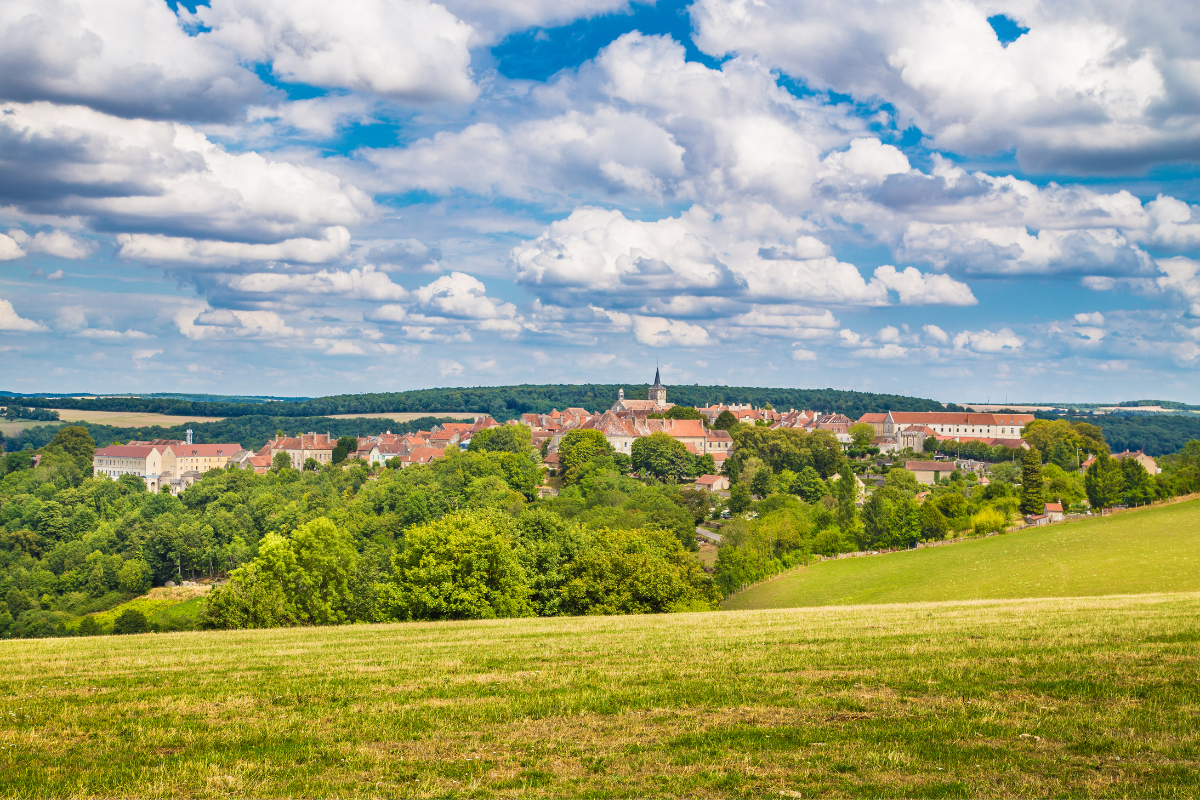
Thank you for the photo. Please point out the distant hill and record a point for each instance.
(502, 402)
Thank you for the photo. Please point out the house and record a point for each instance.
(1054, 512)
(838, 423)
(421, 455)
(875, 420)
(147, 462)
(201, 458)
(1037, 519)
(1137, 455)
(913, 437)
(317, 446)
(946, 423)
(260, 462)
(928, 472)
(713, 483)
(718, 442)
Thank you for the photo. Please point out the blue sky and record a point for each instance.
(960, 200)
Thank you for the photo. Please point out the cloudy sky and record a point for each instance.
(953, 199)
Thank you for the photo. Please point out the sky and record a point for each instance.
(969, 201)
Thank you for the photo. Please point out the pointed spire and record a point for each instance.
(657, 380)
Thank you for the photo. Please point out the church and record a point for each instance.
(656, 404)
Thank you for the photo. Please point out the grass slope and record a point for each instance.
(1151, 550)
(175, 609)
(1081, 697)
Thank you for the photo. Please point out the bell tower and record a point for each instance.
(658, 392)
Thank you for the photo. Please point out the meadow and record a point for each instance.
(1139, 551)
(1091, 697)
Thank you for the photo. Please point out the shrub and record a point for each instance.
(89, 627)
(131, 621)
(989, 520)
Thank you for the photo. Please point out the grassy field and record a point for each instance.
(175, 608)
(1149, 550)
(1092, 697)
(128, 419)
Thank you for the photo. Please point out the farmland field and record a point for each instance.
(127, 419)
(1080, 696)
(1142, 551)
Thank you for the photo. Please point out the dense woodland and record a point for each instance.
(1153, 433)
(502, 402)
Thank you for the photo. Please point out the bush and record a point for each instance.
(130, 621)
(989, 520)
(89, 627)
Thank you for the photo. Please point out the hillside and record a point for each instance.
(1151, 550)
(502, 402)
(1001, 698)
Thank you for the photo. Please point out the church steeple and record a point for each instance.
(658, 392)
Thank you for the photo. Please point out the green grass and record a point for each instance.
(1150, 550)
(1093, 697)
(172, 609)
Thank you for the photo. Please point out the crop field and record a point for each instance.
(127, 419)
(1089, 697)
(1147, 550)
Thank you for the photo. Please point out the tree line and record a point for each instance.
(502, 402)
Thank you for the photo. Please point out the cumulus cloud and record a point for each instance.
(1089, 86)
(409, 50)
(660, 332)
(11, 321)
(200, 322)
(985, 341)
(177, 249)
(462, 296)
(364, 284)
(9, 248)
(55, 243)
(129, 58)
(159, 178)
(493, 19)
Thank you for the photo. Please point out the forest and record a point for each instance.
(502, 402)
(1156, 434)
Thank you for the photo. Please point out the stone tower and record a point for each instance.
(658, 392)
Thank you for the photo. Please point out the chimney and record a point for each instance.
(189, 436)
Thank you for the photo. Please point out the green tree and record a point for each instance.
(504, 439)
(580, 446)
(1104, 482)
(902, 480)
(344, 447)
(845, 491)
(725, 421)
(862, 433)
(463, 566)
(76, 442)
(1139, 486)
(89, 627)
(130, 621)
(763, 483)
(312, 465)
(1033, 500)
(930, 445)
(280, 461)
(660, 455)
(134, 577)
(679, 412)
(739, 498)
(933, 522)
(808, 485)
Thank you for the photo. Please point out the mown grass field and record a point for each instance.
(1147, 550)
(408, 416)
(128, 419)
(1075, 697)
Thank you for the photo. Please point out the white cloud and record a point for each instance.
(449, 367)
(660, 332)
(1002, 341)
(199, 322)
(800, 354)
(177, 249)
(493, 19)
(142, 355)
(1088, 85)
(163, 178)
(58, 243)
(462, 296)
(936, 334)
(1094, 318)
(9, 249)
(364, 284)
(129, 58)
(915, 288)
(408, 50)
(11, 321)
(111, 335)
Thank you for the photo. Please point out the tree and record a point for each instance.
(763, 483)
(504, 439)
(76, 442)
(130, 621)
(845, 491)
(280, 460)
(808, 485)
(679, 412)
(89, 627)
(344, 447)
(930, 445)
(933, 522)
(863, 433)
(1104, 482)
(1139, 486)
(463, 566)
(902, 480)
(703, 465)
(1033, 499)
(726, 420)
(580, 446)
(660, 455)
(134, 577)
(312, 465)
(739, 498)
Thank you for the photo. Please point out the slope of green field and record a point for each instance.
(1151, 550)
(1069, 697)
